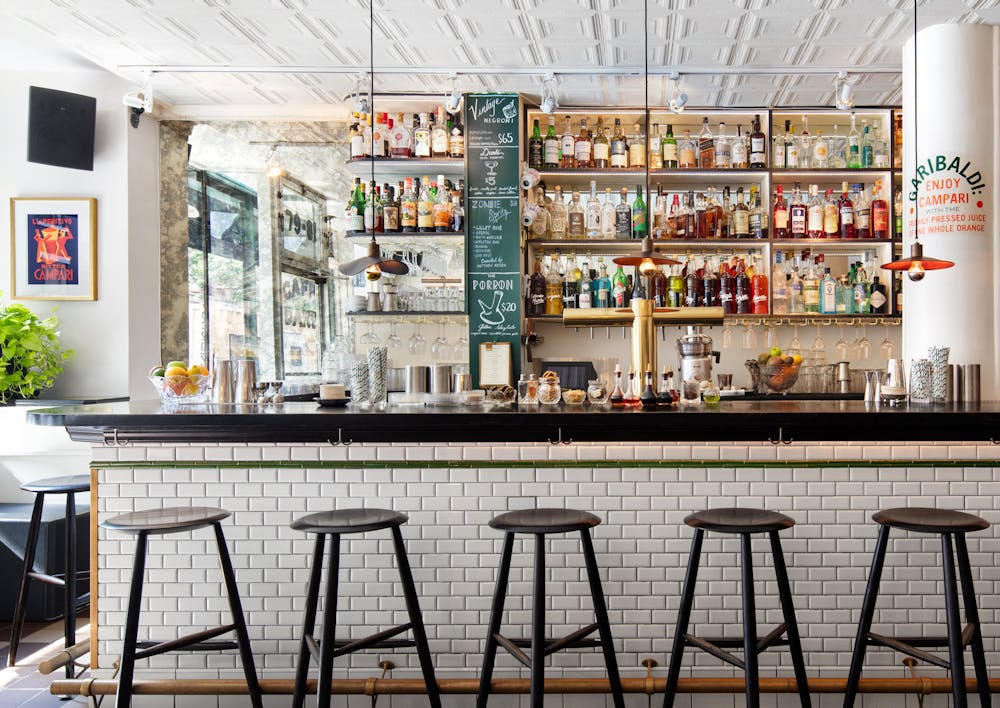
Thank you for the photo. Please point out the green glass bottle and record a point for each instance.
(535, 148)
(638, 215)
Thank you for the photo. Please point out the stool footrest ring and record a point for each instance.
(379, 640)
(910, 645)
(190, 642)
(574, 640)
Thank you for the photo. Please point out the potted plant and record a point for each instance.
(30, 354)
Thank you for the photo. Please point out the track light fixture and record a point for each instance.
(362, 103)
(274, 169)
(453, 99)
(678, 99)
(549, 102)
(843, 87)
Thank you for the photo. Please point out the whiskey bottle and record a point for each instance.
(390, 211)
(536, 290)
(550, 147)
(739, 150)
(602, 147)
(400, 141)
(408, 208)
(553, 289)
(723, 157)
(687, 151)
(637, 148)
(706, 147)
(456, 140)
(619, 146)
(583, 147)
(831, 216)
(741, 216)
(535, 148)
(656, 149)
(439, 135)
(758, 145)
(669, 149)
(567, 146)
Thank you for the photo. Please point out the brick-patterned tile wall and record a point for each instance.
(642, 549)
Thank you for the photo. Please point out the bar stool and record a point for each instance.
(952, 527)
(542, 522)
(744, 522)
(176, 520)
(69, 486)
(335, 524)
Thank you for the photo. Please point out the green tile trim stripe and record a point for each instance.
(543, 464)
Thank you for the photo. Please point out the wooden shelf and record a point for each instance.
(382, 236)
(834, 243)
(405, 167)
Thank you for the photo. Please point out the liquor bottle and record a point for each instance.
(791, 146)
(814, 226)
(867, 149)
(457, 214)
(355, 211)
(820, 151)
(862, 212)
(408, 208)
(828, 294)
(623, 217)
(401, 139)
(897, 209)
(655, 159)
(690, 218)
(658, 211)
(727, 289)
(713, 217)
(425, 207)
(456, 139)
(585, 296)
(879, 214)
(898, 293)
(853, 145)
(647, 399)
(758, 219)
(390, 211)
(831, 216)
(675, 288)
(619, 288)
(567, 146)
(603, 285)
(439, 135)
(805, 146)
(638, 215)
(710, 285)
(608, 215)
(741, 216)
(442, 207)
(862, 292)
(583, 148)
(878, 298)
(540, 226)
(739, 149)
(553, 289)
(571, 284)
(631, 396)
(844, 303)
(593, 214)
(380, 136)
(357, 138)
(669, 147)
(619, 146)
(847, 229)
(665, 397)
(742, 290)
(637, 148)
(779, 284)
(778, 150)
(550, 147)
(536, 290)
(617, 394)
(758, 146)
(422, 137)
(706, 146)
(897, 140)
(795, 302)
(373, 215)
(658, 288)
(557, 215)
(810, 291)
(723, 157)
(602, 147)
(759, 296)
(575, 216)
(780, 219)
(535, 148)
(687, 151)
(797, 214)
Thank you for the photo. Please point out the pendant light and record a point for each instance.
(373, 264)
(917, 264)
(646, 260)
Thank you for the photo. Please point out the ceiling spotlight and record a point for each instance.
(844, 91)
(274, 169)
(362, 102)
(678, 99)
(549, 102)
(453, 99)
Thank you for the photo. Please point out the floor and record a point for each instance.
(22, 686)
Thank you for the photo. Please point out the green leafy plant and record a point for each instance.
(30, 354)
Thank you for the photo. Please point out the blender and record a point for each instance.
(696, 354)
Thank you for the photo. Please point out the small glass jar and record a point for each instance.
(527, 390)
(549, 391)
(597, 392)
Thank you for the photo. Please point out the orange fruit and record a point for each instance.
(175, 371)
(197, 369)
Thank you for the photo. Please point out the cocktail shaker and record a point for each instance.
(222, 384)
(246, 381)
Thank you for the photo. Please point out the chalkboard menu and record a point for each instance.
(493, 223)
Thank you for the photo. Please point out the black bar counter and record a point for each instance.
(775, 421)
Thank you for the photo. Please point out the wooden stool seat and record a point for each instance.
(349, 521)
(70, 484)
(929, 520)
(166, 520)
(544, 521)
(739, 520)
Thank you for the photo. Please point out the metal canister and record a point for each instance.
(971, 390)
(222, 384)
(246, 381)
(441, 378)
(842, 375)
(957, 382)
(417, 379)
(461, 382)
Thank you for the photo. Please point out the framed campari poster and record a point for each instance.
(53, 248)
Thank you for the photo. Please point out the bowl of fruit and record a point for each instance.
(778, 372)
(179, 383)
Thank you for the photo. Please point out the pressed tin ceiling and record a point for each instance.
(125, 36)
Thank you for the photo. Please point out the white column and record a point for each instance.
(956, 169)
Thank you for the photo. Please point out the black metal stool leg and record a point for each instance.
(326, 647)
(955, 645)
(749, 624)
(538, 626)
(788, 611)
(309, 622)
(20, 609)
(123, 698)
(416, 619)
(972, 617)
(496, 614)
(239, 621)
(683, 618)
(70, 596)
(603, 624)
(867, 615)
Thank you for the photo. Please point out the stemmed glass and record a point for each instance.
(727, 336)
(369, 338)
(749, 338)
(416, 342)
(770, 338)
(461, 350)
(863, 345)
(888, 347)
(440, 348)
(393, 341)
(841, 350)
(819, 346)
(795, 345)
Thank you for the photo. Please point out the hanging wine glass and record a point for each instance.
(393, 341)
(369, 338)
(440, 350)
(795, 346)
(727, 336)
(841, 350)
(749, 338)
(819, 347)
(888, 348)
(461, 349)
(864, 345)
(770, 338)
(416, 343)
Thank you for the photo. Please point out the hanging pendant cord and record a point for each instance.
(916, 150)
(645, 58)
(371, 79)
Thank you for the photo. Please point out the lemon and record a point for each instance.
(175, 371)
(197, 369)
